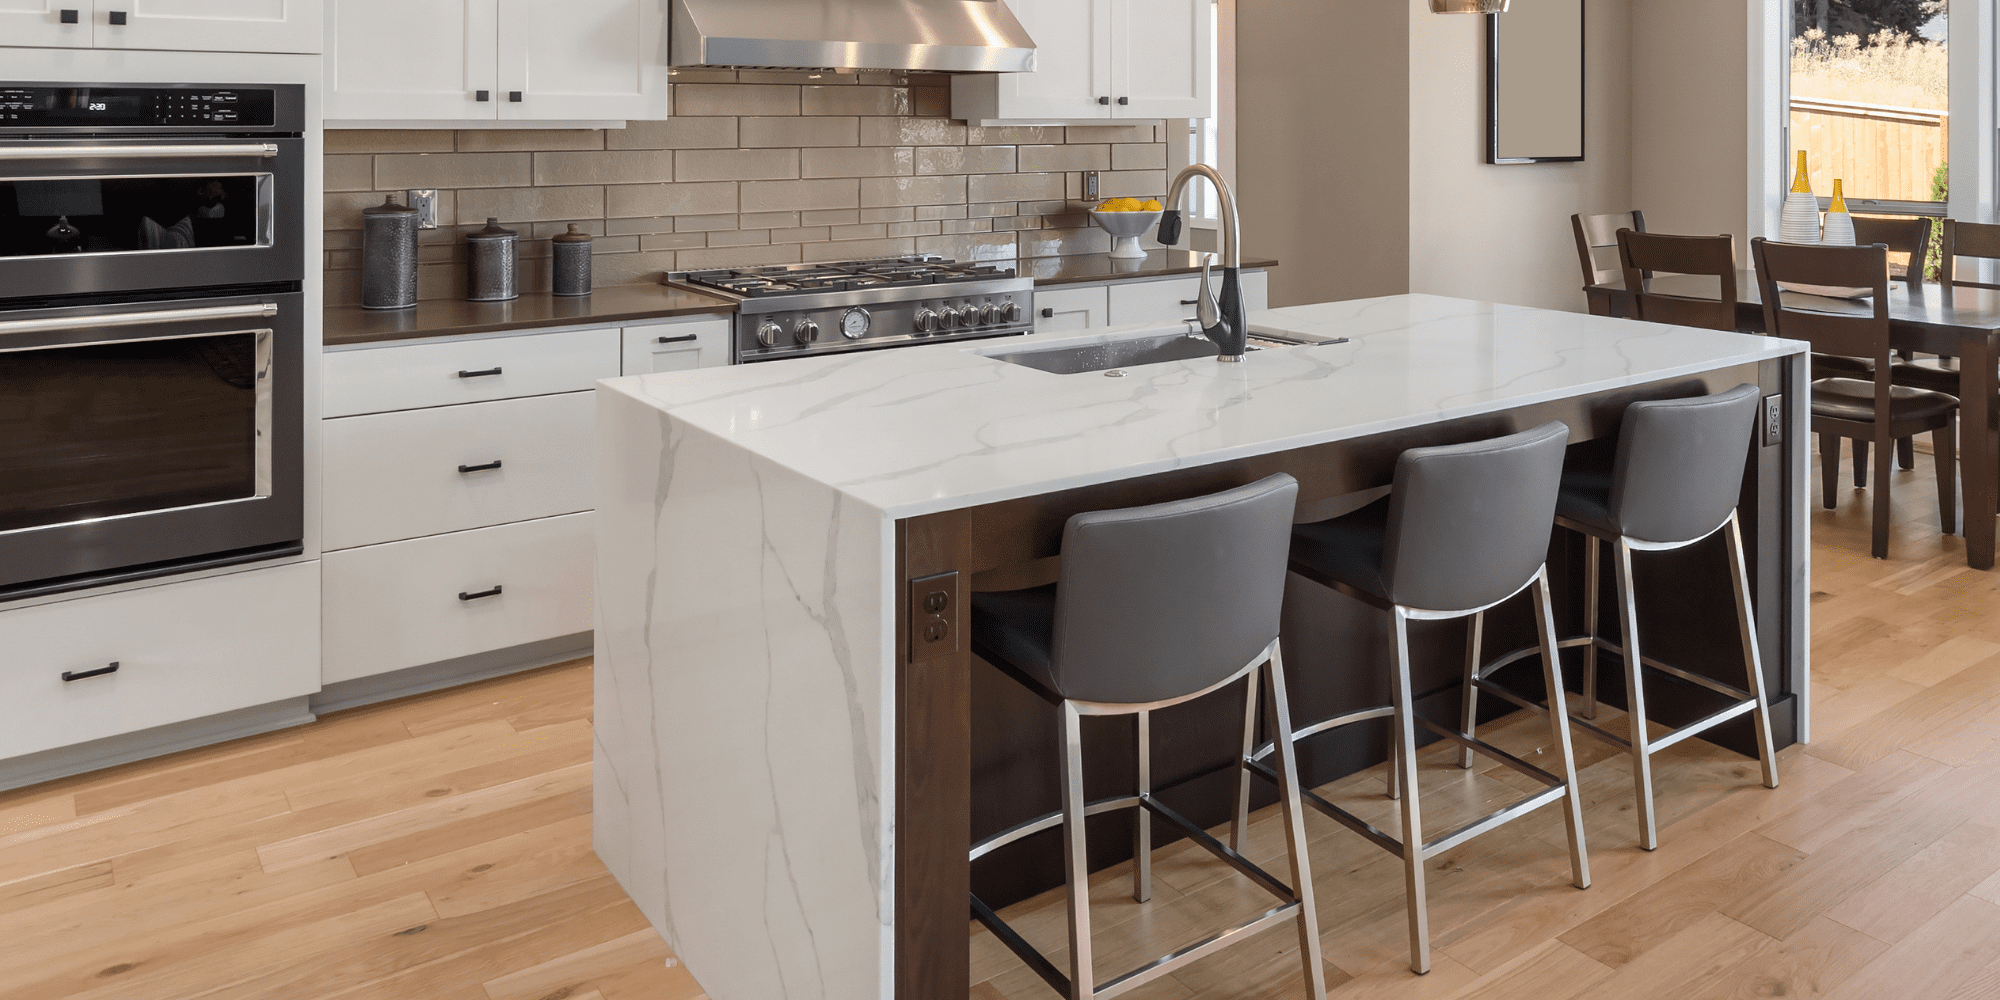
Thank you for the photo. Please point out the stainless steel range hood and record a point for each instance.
(948, 36)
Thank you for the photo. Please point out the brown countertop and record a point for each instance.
(1083, 268)
(346, 325)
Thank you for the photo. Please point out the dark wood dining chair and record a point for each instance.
(1641, 254)
(1868, 412)
(1959, 239)
(1904, 236)
(1597, 237)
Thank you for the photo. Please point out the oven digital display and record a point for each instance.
(127, 107)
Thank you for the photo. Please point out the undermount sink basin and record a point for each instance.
(1104, 355)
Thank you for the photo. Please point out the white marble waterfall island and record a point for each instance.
(787, 788)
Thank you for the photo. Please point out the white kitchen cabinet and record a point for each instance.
(389, 59)
(467, 370)
(39, 23)
(1099, 60)
(495, 61)
(420, 601)
(448, 468)
(1061, 309)
(209, 25)
(1168, 300)
(677, 346)
(184, 651)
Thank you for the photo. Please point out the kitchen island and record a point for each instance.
(788, 741)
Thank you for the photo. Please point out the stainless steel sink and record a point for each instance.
(1106, 355)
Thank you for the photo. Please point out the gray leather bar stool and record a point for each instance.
(1465, 527)
(1673, 482)
(1154, 606)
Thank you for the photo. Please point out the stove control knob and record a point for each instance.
(1010, 312)
(968, 315)
(806, 332)
(988, 313)
(926, 321)
(768, 333)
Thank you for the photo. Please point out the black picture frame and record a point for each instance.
(1494, 58)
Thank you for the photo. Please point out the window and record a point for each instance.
(1204, 134)
(1209, 140)
(1870, 101)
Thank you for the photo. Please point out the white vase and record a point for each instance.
(1838, 230)
(1800, 221)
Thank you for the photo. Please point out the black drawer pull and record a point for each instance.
(482, 95)
(1190, 302)
(462, 373)
(680, 340)
(1049, 313)
(488, 467)
(1104, 100)
(495, 592)
(1124, 100)
(68, 16)
(99, 672)
(514, 96)
(117, 17)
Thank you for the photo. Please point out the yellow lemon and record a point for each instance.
(1152, 206)
(1109, 206)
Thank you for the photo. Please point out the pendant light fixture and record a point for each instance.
(1468, 6)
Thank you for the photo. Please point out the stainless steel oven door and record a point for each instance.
(96, 215)
(137, 440)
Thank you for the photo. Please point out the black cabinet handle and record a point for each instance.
(680, 340)
(1190, 302)
(482, 95)
(117, 17)
(463, 596)
(488, 467)
(99, 672)
(69, 15)
(1104, 100)
(1048, 313)
(1124, 100)
(514, 96)
(462, 373)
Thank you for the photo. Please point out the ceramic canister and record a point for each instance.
(388, 256)
(491, 261)
(572, 262)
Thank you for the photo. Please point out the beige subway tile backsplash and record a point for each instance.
(756, 167)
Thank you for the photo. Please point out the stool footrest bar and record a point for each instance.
(1433, 848)
(1019, 945)
(1243, 865)
(1201, 949)
(1047, 821)
(1488, 749)
(1325, 725)
(1706, 722)
(1337, 814)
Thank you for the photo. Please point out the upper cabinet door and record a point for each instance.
(39, 23)
(1162, 64)
(392, 59)
(582, 59)
(1072, 80)
(207, 25)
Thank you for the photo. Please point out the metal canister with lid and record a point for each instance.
(572, 262)
(388, 256)
(491, 261)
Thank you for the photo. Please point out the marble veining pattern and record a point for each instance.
(919, 430)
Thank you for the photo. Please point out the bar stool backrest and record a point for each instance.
(1679, 470)
(1160, 602)
(1470, 523)
(1642, 254)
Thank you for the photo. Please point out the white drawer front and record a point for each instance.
(1173, 299)
(396, 475)
(402, 378)
(1060, 309)
(184, 651)
(397, 605)
(676, 347)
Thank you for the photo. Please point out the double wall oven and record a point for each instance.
(152, 330)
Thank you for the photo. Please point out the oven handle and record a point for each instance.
(60, 323)
(260, 149)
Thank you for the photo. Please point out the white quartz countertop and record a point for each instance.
(917, 430)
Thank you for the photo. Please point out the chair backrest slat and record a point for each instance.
(1597, 236)
(1640, 255)
(1850, 333)
(1904, 236)
(1966, 239)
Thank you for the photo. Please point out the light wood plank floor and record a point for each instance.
(439, 848)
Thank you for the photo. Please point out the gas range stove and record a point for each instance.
(806, 309)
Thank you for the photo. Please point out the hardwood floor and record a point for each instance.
(439, 848)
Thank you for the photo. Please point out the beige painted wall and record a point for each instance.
(1322, 145)
(1502, 233)
(1690, 117)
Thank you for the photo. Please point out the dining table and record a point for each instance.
(1959, 321)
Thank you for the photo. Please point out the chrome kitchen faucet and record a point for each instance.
(1221, 321)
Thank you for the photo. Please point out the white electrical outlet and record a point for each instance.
(1774, 420)
(425, 201)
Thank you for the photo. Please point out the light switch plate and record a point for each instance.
(425, 201)
(1774, 420)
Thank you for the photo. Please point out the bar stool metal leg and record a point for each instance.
(1278, 712)
(1142, 829)
(1076, 864)
(1239, 824)
(1579, 859)
(1592, 583)
(1405, 766)
(1752, 660)
(1635, 698)
(1469, 697)
(1394, 780)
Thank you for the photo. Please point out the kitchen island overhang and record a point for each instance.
(787, 791)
